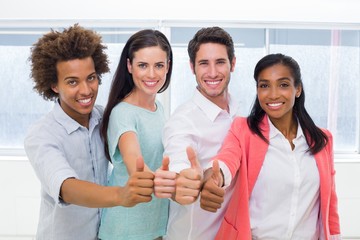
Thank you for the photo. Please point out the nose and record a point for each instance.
(152, 72)
(212, 71)
(85, 88)
(273, 93)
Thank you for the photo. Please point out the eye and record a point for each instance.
(284, 85)
(160, 65)
(72, 82)
(263, 85)
(142, 65)
(92, 78)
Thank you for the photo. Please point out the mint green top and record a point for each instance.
(145, 220)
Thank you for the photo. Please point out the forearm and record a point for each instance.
(87, 194)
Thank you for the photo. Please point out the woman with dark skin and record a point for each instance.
(285, 188)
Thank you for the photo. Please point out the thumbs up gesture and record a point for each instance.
(139, 187)
(164, 180)
(188, 182)
(212, 195)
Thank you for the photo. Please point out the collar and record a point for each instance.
(70, 124)
(274, 131)
(210, 109)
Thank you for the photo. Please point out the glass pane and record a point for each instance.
(330, 62)
(20, 105)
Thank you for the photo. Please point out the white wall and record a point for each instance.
(344, 11)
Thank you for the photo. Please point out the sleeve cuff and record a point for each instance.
(225, 170)
(335, 237)
(56, 187)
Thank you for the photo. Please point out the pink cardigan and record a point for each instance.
(244, 151)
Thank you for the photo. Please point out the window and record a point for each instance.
(330, 64)
(329, 59)
(20, 105)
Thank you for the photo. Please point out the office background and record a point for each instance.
(322, 35)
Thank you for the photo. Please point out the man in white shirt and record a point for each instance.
(201, 123)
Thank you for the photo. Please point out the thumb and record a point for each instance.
(165, 164)
(192, 158)
(216, 172)
(140, 164)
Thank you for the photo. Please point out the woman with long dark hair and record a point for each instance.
(132, 130)
(285, 187)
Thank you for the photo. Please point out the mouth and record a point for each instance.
(275, 105)
(85, 101)
(213, 83)
(150, 83)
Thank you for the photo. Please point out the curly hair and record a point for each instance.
(75, 42)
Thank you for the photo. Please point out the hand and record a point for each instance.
(188, 182)
(139, 187)
(212, 195)
(164, 180)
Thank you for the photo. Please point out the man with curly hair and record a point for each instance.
(65, 147)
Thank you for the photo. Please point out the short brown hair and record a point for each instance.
(211, 35)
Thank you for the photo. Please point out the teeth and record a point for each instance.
(274, 104)
(150, 83)
(212, 82)
(85, 100)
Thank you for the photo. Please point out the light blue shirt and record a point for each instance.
(58, 148)
(145, 221)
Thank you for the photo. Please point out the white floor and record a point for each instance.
(20, 199)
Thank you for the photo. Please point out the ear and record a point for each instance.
(298, 90)
(192, 67)
(55, 88)
(233, 63)
(168, 66)
(129, 67)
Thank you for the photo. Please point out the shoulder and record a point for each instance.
(123, 109)
(44, 129)
(159, 105)
(329, 136)
(240, 122)
(98, 110)
(184, 112)
(327, 132)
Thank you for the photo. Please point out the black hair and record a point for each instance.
(315, 137)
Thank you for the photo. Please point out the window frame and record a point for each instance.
(8, 26)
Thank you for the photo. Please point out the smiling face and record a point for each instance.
(212, 68)
(276, 92)
(148, 68)
(77, 86)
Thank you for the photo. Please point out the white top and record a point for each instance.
(203, 125)
(285, 201)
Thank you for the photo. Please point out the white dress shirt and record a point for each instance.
(284, 203)
(203, 125)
